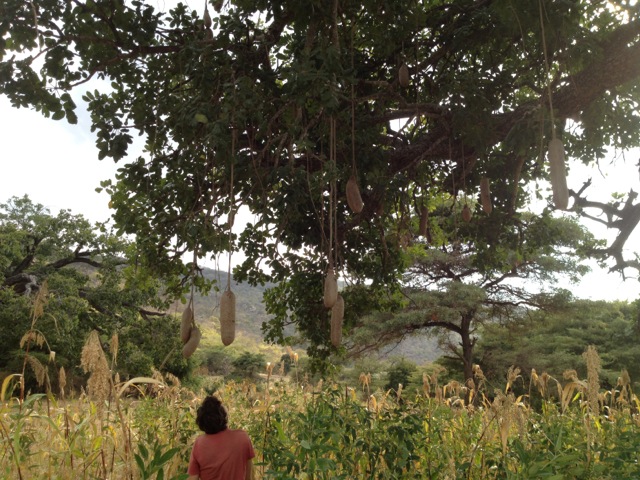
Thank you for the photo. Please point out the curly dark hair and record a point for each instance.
(211, 416)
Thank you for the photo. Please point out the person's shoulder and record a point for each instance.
(199, 439)
(238, 433)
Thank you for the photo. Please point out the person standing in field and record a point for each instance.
(221, 453)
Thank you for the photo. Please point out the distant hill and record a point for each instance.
(418, 348)
(250, 314)
(250, 311)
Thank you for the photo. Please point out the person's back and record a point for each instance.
(221, 453)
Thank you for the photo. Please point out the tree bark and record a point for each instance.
(467, 343)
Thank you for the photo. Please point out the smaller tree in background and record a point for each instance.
(554, 341)
(400, 373)
(453, 289)
(248, 365)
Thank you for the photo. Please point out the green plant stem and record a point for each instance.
(15, 456)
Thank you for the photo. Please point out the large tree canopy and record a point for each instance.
(277, 104)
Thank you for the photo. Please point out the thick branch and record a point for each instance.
(397, 335)
(28, 259)
(622, 218)
(619, 64)
(78, 257)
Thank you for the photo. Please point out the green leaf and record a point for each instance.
(201, 118)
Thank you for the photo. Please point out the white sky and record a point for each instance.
(55, 163)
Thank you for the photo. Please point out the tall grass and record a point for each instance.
(331, 431)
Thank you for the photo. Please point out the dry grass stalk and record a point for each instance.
(372, 403)
(543, 384)
(478, 374)
(365, 380)
(113, 348)
(534, 380)
(293, 356)
(157, 375)
(470, 390)
(624, 385)
(32, 337)
(592, 360)
(94, 361)
(573, 386)
(38, 369)
(62, 381)
(426, 385)
(508, 414)
(41, 300)
(513, 374)
(453, 387)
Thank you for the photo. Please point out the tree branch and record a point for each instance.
(619, 63)
(624, 219)
(78, 257)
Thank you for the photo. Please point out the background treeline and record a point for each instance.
(94, 284)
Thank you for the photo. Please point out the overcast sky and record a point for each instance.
(55, 163)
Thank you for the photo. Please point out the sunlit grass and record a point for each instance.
(331, 430)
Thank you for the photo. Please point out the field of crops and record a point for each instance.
(315, 431)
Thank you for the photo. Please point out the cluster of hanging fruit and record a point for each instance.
(332, 299)
(190, 334)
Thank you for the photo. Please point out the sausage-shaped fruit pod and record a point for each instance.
(354, 199)
(485, 195)
(228, 317)
(330, 289)
(185, 324)
(192, 343)
(403, 76)
(337, 315)
(558, 174)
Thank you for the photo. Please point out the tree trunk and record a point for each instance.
(467, 343)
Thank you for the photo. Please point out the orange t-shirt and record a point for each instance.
(221, 456)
